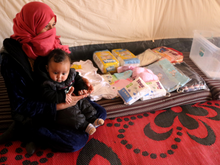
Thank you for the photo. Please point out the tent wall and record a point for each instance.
(86, 22)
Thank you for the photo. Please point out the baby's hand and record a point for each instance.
(89, 85)
(83, 92)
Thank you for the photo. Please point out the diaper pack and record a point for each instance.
(125, 57)
(106, 62)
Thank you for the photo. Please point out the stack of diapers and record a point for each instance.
(106, 62)
(125, 57)
(156, 90)
(134, 91)
(148, 57)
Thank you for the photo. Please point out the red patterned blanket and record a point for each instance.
(180, 135)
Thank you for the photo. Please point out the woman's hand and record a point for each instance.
(89, 85)
(74, 100)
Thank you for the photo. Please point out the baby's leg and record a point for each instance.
(71, 118)
(87, 109)
(90, 129)
(90, 112)
(98, 122)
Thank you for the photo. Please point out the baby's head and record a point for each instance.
(58, 65)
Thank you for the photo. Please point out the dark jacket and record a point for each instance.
(52, 91)
(24, 100)
(78, 116)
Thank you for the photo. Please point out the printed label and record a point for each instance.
(201, 51)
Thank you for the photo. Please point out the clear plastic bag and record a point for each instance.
(169, 75)
(196, 82)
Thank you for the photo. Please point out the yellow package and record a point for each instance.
(106, 62)
(125, 57)
(75, 66)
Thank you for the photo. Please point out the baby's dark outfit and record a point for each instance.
(78, 116)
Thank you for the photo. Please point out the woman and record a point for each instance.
(35, 35)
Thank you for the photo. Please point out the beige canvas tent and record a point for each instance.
(84, 22)
(91, 25)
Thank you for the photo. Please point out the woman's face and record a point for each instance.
(49, 26)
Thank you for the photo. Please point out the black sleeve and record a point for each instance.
(79, 84)
(52, 96)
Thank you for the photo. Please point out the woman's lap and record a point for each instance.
(67, 140)
(62, 140)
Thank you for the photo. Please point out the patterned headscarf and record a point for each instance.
(28, 23)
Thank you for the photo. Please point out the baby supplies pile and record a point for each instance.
(154, 73)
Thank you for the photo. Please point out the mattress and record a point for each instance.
(116, 107)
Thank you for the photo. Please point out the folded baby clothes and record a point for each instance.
(102, 89)
(124, 75)
(148, 57)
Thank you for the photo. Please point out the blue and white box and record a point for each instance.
(156, 90)
(134, 91)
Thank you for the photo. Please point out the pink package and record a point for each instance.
(125, 68)
(144, 73)
(119, 84)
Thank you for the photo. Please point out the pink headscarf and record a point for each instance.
(33, 17)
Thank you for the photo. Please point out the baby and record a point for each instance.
(57, 79)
